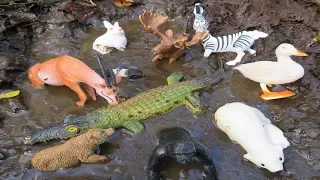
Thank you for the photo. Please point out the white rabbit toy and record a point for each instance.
(113, 38)
(249, 127)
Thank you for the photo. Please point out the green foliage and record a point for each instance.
(316, 38)
(9, 94)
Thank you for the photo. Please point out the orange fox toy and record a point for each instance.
(69, 71)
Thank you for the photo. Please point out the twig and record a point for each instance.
(23, 4)
(92, 2)
(85, 4)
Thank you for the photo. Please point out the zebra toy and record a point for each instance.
(200, 24)
(237, 42)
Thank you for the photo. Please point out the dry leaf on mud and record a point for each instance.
(121, 3)
(9, 94)
(316, 39)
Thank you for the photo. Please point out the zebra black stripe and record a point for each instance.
(218, 43)
(197, 9)
(206, 38)
(232, 37)
(245, 41)
(221, 43)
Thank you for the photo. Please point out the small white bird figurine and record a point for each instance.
(237, 42)
(113, 38)
(285, 70)
(249, 127)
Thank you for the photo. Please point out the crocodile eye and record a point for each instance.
(71, 128)
(102, 132)
(262, 165)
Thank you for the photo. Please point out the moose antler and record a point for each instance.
(171, 45)
(152, 21)
(197, 38)
(121, 3)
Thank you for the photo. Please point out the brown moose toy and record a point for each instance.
(171, 46)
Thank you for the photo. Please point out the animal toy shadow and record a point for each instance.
(176, 144)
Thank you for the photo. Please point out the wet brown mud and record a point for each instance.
(295, 22)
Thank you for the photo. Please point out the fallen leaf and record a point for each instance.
(121, 3)
(316, 38)
(9, 94)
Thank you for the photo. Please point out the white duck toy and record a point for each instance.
(249, 127)
(285, 70)
(113, 38)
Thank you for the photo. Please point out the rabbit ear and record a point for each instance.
(107, 24)
(116, 24)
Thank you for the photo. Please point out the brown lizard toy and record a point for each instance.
(171, 46)
(75, 150)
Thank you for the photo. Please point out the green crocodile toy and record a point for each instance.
(149, 104)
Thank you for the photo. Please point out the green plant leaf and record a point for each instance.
(9, 94)
(316, 38)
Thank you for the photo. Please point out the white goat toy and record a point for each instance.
(249, 127)
(113, 38)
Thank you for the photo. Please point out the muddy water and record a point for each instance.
(298, 117)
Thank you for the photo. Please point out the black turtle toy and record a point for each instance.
(175, 144)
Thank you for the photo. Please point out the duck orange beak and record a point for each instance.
(300, 53)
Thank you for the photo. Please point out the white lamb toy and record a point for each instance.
(113, 38)
(249, 127)
(237, 42)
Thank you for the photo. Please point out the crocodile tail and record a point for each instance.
(72, 126)
(208, 81)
